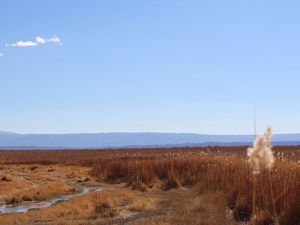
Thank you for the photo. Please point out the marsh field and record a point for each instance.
(164, 186)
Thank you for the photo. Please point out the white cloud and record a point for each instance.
(1, 54)
(23, 44)
(38, 40)
(54, 39)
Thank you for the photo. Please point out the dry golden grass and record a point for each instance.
(220, 178)
(92, 208)
(229, 174)
(30, 182)
(207, 209)
(47, 191)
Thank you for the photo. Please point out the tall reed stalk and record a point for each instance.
(254, 183)
(261, 158)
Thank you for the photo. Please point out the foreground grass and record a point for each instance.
(226, 174)
(169, 186)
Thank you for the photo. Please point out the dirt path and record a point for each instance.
(169, 201)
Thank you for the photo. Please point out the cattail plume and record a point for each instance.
(261, 155)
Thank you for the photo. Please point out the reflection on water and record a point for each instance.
(31, 205)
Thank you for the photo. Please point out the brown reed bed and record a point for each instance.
(88, 156)
(225, 173)
(222, 170)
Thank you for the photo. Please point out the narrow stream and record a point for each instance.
(31, 205)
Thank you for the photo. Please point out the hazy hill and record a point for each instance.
(101, 140)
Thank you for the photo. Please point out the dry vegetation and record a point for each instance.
(172, 186)
(230, 175)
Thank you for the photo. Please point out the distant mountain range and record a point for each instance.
(10, 140)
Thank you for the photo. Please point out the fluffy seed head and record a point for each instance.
(261, 156)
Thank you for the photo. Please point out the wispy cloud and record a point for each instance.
(1, 54)
(54, 39)
(23, 44)
(38, 41)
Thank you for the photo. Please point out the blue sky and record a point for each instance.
(163, 66)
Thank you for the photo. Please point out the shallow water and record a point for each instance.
(31, 205)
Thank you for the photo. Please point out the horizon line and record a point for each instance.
(138, 132)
